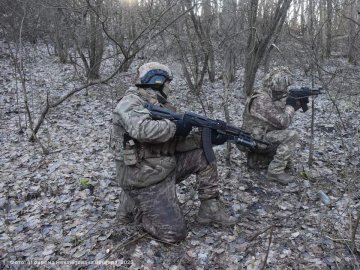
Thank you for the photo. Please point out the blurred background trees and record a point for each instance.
(201, 35)
(211, 40)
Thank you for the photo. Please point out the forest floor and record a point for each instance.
(58, 210)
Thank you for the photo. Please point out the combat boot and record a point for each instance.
(211, 211)
(281, 178)
(126, 211)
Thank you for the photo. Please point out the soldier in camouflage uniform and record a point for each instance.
(267, 116)
(153, 155)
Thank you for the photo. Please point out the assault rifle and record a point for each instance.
(233, 134)
(303, 94)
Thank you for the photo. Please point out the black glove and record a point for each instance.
(303, 103)
(293, 102)
(218, 138)
(183, 128)
(304, 98)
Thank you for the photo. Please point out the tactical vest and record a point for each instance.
(257, 127)
(130, 150)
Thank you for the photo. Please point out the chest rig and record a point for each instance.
(135, 151)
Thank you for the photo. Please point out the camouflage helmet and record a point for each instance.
(153, 74)
(278, 79)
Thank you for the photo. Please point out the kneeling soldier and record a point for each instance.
(267, 115)
(153, 155)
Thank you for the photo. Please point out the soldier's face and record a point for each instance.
(278, 95)
(167, 88)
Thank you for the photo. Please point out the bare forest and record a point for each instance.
(64, 64)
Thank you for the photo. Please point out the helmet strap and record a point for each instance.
(162, 93)
(161, 99)
(160, 90)
(147, 97)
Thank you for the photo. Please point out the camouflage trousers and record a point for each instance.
(284, 142)
(160, 211)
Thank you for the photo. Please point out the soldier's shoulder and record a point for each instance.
(132, 90)
(259, 98)
(131, 95)
(262, 97)
(128, 103)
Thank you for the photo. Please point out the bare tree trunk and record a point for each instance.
(194, 54)
(352, 13)
(227, 118)
(19, 68)
(311, 33)
(302, 18)
(229, 21)
(229, 64)
(252, 61)
(328, 27)
(322, 34)
(132, 33)
(256, 46)
(96, 44)
(61, 49)
(207, 23)
(228, 77)
(216, 14)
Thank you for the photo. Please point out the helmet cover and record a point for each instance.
(153, 74)
(278, 79)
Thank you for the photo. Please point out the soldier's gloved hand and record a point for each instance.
(293, 102)
(217, 138)
(305, 100)
(303, 97)
(183, 128)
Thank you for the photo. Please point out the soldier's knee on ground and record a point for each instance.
(169, 233)
(173, 236)
(126, 211)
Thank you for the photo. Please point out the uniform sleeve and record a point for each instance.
(264, 109)
(131, 114)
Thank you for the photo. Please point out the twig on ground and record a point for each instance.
(261, 232)
(268, 249)
(124, 244)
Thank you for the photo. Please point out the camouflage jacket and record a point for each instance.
(262, 114)
(143, 147)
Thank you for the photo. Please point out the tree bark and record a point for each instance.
(96, 43)
(61, 49)
(208, 22)
(257, 46)
(352, 13)
(328, 28)
(229, 21)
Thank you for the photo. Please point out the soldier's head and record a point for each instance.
(155, 76)
(277, 81)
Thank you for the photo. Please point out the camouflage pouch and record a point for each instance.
(130, 153)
